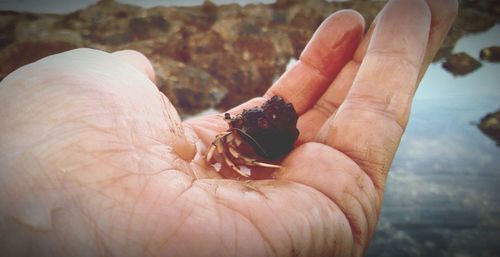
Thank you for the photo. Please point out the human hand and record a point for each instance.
(94, 160)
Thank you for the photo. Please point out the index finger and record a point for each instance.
(330, 48)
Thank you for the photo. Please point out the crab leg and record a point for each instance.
(250, 161)
(210, 152)
(219, 144)
(223, 150)
(213, 146)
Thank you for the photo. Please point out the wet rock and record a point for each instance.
(474, 16)
(7, 25)
(188, 87)
(144, 28)
(472, 19)
(22, 53)
(490, 126)
(491, 54)
(461, 64)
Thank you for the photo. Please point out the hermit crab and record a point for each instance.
(257, 135)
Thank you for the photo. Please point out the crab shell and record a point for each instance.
(271, 129)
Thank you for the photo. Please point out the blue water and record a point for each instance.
(443, 192)
(441, 131)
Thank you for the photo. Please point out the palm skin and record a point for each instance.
(95, 160)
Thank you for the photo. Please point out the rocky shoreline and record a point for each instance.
(205, 56)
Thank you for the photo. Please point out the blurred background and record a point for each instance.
(443, 192)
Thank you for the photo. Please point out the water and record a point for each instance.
(443, 192)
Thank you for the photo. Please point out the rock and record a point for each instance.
(461, 64)
(490, 126)
(472, 19)
(491, 54)
(473, 16)
(7, 26)
(188, 87)
(21, 53)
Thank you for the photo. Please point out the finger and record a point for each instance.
(330, 48)
(138, 61)
(310, 123)
(443, 15)
(369, 124)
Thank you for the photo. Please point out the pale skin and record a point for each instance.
(94, 160)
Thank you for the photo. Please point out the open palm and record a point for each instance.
(95, 161)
